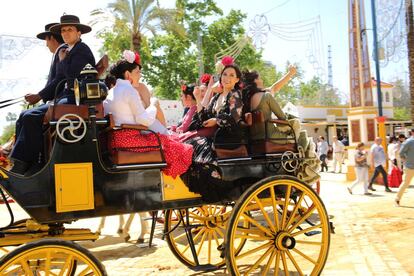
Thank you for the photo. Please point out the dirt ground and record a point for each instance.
(373, 237)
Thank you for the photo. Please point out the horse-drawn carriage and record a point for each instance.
(276, 224)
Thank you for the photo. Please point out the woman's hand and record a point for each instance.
(292, 70)
(197, 94)
(210, 122)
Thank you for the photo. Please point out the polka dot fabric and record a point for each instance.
(177, 155)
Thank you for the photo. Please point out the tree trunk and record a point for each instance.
(410, 48)
(136, 42)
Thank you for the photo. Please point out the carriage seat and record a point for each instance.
(241, 150)
(266, 146)
(124, 157)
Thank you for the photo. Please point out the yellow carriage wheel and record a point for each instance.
(50, 257)
(289, 232)
(207, 226)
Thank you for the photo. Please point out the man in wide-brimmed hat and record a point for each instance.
(29, 120)
(71, 62)
(78, 53)
(55, 44)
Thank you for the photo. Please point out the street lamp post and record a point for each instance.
(380, 118)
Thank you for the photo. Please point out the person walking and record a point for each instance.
(323, 152)
(407, 154)
(378, 159)
(361, 169)
(338, 153)
(401, 140)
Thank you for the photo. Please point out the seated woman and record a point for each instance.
(255, 98)
(223, 112)
(189, 101)
(126, 107)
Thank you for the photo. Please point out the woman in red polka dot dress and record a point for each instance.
(126, 107)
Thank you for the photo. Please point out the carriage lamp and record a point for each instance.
(89, 89)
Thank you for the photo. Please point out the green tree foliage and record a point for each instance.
(136, 17)
(174, 59)
(401, 100)
(8, 131)
(402, 114)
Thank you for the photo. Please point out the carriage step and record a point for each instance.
(205, 267)
(312, 233)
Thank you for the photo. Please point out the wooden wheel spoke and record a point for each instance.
(304, 256)
(197, 236)
(86, 271)
(302, 219)
(293, 214)
(257, 224)
(256, 238)
(254, 250)
(286, 204)
(285, 266)
(260, 260)
(210, 236)
(309, 242)
(269, 262)
(26, 268)
(294, 263)
(266, 217)
(307, 230)
(277, 262)
(200, 246)
(274, 206)
(216, 238)
(47, 265)
(220, 232)
(183, 235)
(65, 266)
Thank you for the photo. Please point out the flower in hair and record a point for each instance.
(129, 56)
(205, 78)
(183, 87)
(137, 59)
(227, 60)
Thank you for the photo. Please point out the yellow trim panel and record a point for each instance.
(175, 189)
(74, 187)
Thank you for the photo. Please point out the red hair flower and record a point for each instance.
(183, 87)
(137, 59)
(227, 60)
(205, 78)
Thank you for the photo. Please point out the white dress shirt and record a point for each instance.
(125, 104)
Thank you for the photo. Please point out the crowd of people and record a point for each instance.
(399, 158)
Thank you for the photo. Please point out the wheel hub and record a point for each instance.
(284, 241)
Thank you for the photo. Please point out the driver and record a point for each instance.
(27, 125)
(27, 153)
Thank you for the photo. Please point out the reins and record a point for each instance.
(9, 102)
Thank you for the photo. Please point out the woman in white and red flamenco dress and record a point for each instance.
(126, 106)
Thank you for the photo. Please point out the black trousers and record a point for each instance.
(323, 160)
(29, 135)
(379, 170)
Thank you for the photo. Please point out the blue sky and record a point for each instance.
(18, 18)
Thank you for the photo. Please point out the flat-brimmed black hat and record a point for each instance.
(47, 32)
(70, 20)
